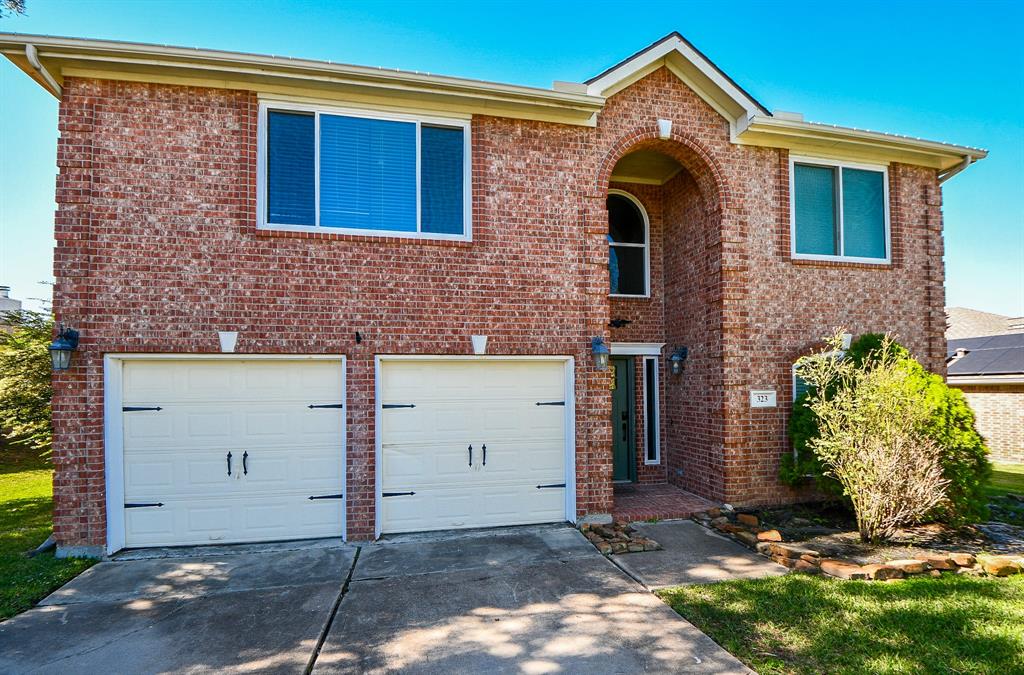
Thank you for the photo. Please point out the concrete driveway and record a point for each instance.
(520, 600)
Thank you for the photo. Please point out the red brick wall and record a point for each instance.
(999, 417)
(157, 250)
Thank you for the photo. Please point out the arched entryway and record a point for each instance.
(664, 201)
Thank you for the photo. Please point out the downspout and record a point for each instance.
(956, 169)
(33, 58)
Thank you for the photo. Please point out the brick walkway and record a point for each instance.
(661, 501)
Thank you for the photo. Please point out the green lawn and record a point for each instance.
(26, 505)
(809, 624)
(1006, 478)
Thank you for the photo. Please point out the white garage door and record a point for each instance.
(219, 451)
(472, 443)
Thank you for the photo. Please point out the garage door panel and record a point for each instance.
(458, 403)
(261, 518)
(423, 464)
(479, 506)
(241, 425)
(533, 462)
(258, 410)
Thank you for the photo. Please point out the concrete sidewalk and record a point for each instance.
(692, 555)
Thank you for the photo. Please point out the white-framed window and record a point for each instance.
(800, 385)
(629, 255)
(839, 211)
(328, 169)
(652, 416)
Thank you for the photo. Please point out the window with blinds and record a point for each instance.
(839, 211)
(364, 174)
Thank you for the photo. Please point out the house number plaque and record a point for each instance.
(762, 398)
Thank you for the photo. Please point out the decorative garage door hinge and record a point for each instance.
(139, 506)
(138, 408)
(550, 402)
(552, 485)
(389, 406)
(327, 497)
(326, 405)
(397, 494)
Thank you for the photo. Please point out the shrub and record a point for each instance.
(25, 389)
(949, 424)
(871, 440)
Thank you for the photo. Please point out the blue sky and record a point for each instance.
(946, 71)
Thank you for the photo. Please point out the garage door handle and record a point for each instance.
(245, 463)
(229, 462)
(471, 455)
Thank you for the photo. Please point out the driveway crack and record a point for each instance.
(334, 612)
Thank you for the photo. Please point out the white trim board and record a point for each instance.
(570, 420)
(637, 348)
(113, 428)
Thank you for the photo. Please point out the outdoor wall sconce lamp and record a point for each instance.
(678, 359)
(601, 353)
(61, 348)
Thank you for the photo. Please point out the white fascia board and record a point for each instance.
(678, 54)
(141, 60)
(812, 138)
(991, 380)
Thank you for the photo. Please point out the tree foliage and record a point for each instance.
(11, 7)
(948, 423)
(25, 389)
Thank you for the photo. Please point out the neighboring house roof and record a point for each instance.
(49, 59)
(963, 322)
(995, 358)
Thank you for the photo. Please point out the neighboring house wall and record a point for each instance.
(999, 416)
(157, 249)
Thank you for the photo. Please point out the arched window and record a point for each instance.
(628, 243)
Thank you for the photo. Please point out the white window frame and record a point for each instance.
(834, 354)
(646, 246)
(317, 111)
(839, 166)
(652, 417)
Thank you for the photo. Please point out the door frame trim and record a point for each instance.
(569, 369)
(113, 428)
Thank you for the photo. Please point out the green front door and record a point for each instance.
(623, 436)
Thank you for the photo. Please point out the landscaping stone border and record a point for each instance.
(617, 538)
(746, 529)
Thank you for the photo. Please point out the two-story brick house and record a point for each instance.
(278, 267)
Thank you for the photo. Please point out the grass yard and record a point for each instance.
(809, 624)
(26, 505)
(1006, 478)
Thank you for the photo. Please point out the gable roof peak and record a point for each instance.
(688, 63)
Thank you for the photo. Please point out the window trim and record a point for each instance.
(650, 417)
(646, 246)
(838, 164)
(317, 109)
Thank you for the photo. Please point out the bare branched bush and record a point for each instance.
(871, 439)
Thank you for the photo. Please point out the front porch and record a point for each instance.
(660, 501)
